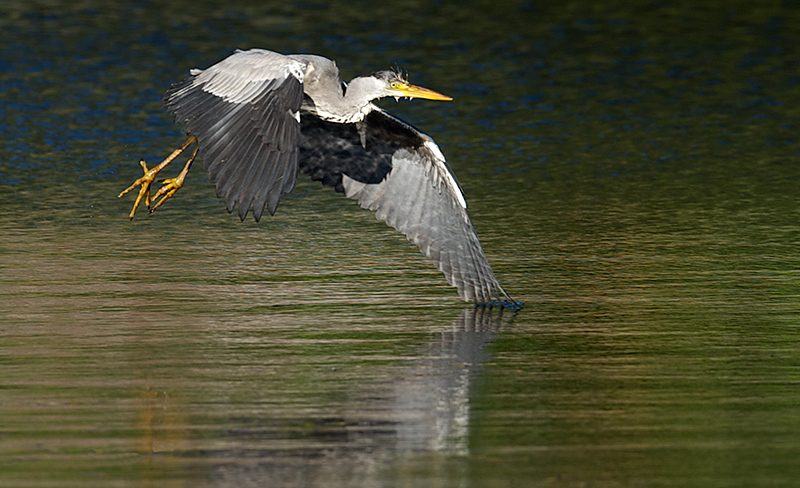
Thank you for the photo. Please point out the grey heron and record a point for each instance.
(259, 117)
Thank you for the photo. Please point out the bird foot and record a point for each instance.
(171, 185)
(144, 192)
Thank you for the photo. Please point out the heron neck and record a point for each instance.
(348, 107)
(358, 95)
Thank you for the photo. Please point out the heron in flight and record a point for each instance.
(258, 117)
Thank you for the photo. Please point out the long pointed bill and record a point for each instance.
(413, 91)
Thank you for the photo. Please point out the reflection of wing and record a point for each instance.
(395, 170)
(419, 406)
(244, 112)
(432, 394)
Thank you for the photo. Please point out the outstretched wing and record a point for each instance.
(390, 167)
(244, 111)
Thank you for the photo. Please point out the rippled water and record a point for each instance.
(632, 171)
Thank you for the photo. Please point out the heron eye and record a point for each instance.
(393, 84)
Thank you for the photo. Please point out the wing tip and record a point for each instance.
(502, 304)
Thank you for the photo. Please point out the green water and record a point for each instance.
(631, 170)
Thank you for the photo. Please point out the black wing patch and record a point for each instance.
(249, 148)
(386, 165)
(362, 151)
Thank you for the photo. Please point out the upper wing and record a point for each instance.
(244, 111)
(390, 167)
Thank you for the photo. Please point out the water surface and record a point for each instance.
(631, 170)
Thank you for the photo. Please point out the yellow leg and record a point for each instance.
(150, 176)
(172, 185)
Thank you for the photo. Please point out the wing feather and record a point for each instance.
(243, 112)
(401, 175)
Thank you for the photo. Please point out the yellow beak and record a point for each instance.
(413, 91)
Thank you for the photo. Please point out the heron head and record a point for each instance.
(397, 86)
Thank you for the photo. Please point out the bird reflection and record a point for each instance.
(427, 411)
(433, 398)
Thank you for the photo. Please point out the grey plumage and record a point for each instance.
(261, 117)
